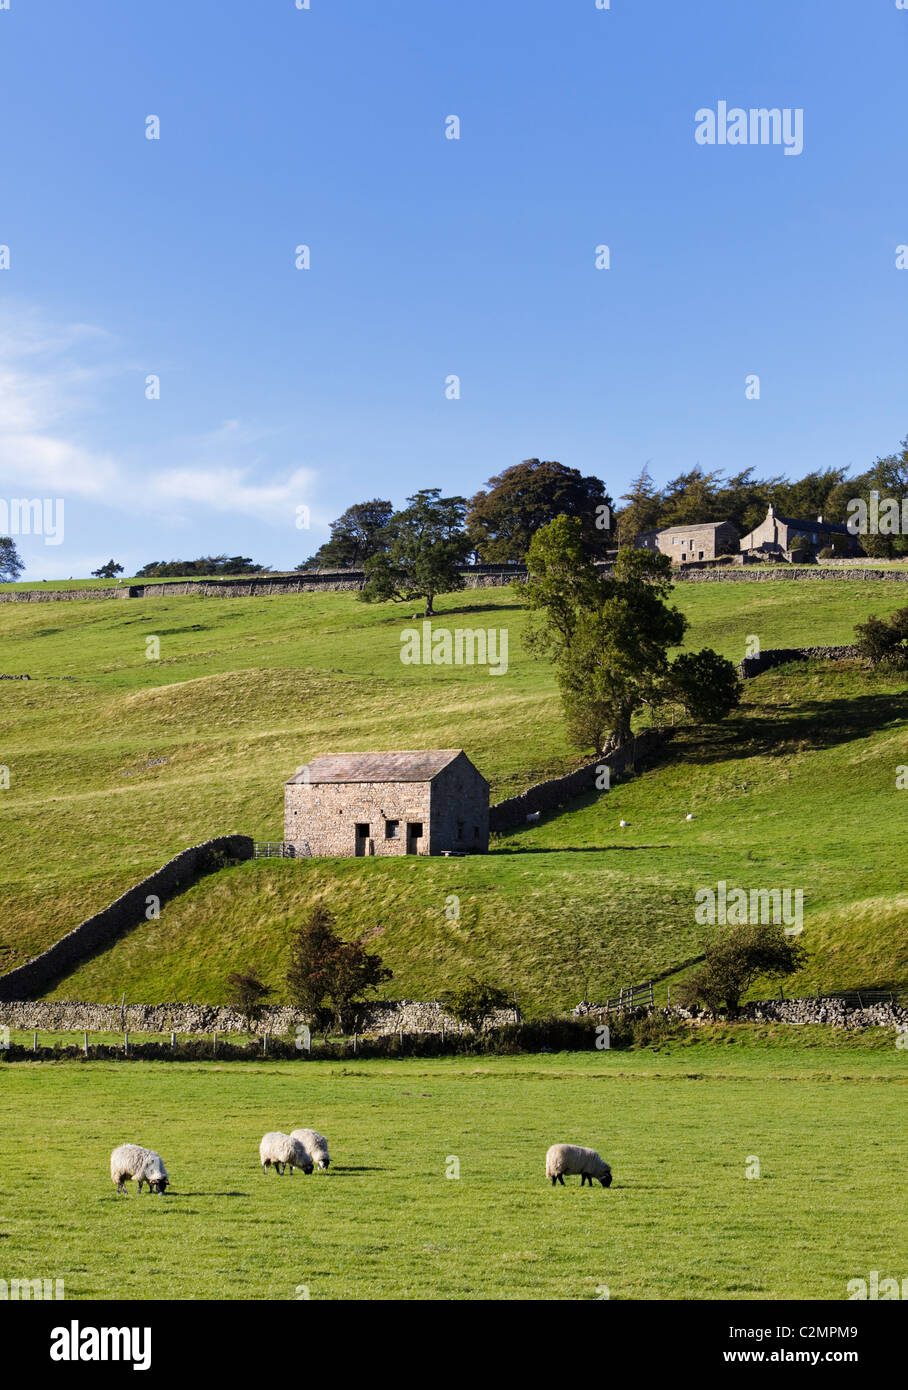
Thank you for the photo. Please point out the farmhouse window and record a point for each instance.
(392, 829)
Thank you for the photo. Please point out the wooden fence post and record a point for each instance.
(126, 1043)
(215, 1044)
(173, 1041)
(85, 1043)
(35, 1043)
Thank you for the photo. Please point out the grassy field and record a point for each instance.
(116, 762)
(576, 907)
(681, 1219)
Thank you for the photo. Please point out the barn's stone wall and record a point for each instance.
(103, 928)
(452, 809)
(459, 816)
(325, 815)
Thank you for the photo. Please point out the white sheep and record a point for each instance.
(623, 824)
(132, 1161)
(689, 816)
(280, 1150)
(570, 1159)
(316, 1146)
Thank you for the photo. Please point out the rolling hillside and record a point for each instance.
(117, 762)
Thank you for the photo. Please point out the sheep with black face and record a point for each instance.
(132, 1161)
(567, 1159)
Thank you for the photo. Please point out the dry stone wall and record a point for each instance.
(778, 656)
(548, 796)
(475, 577)
(103, 928)
(379, 1018)
(757, 574)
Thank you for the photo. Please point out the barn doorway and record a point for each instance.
(362, 839)
(414, 835)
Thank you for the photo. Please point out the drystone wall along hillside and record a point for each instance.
(103, 928)
(548, 796)
(757, 574)
(778, 656)
(838, 1013)
(379, 1018)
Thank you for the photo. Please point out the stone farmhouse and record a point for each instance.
(352, 804)
(702, 540)
(775, 536)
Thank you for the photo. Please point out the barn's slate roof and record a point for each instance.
(376, 767)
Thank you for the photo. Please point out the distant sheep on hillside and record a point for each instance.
(570, 1159)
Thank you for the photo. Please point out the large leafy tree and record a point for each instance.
(643, 508)
(424, 547)
(108, 570)
(355, 536)
(888, 477)
(328, 977)
(205, 566)
(506, 514)
(11, 565)
(691, 497)
(609, 637)
(735, 960)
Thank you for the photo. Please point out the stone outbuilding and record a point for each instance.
(684, 545)
(351, 804)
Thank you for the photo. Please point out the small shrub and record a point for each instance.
(474, 1002)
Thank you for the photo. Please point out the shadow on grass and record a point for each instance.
(813, 724)
(178, 1193)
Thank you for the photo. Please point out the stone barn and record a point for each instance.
(351, 804)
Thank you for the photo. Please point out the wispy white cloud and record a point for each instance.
(233, 489)
(52, 381)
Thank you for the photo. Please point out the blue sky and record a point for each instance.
(283, 388)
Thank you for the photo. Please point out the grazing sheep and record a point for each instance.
(689, 816)
(571, 1158)
(132, 1161)
(282, 1151)
(533, 817)
(316, 1146)
(623, 824)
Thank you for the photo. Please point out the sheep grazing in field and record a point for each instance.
(281, 1151)
(533, 817)
(571, 1158)
(689, 816)
(316, 1146)
(623, 824)
(132, 1161)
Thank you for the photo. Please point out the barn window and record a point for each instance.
(392, 829)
